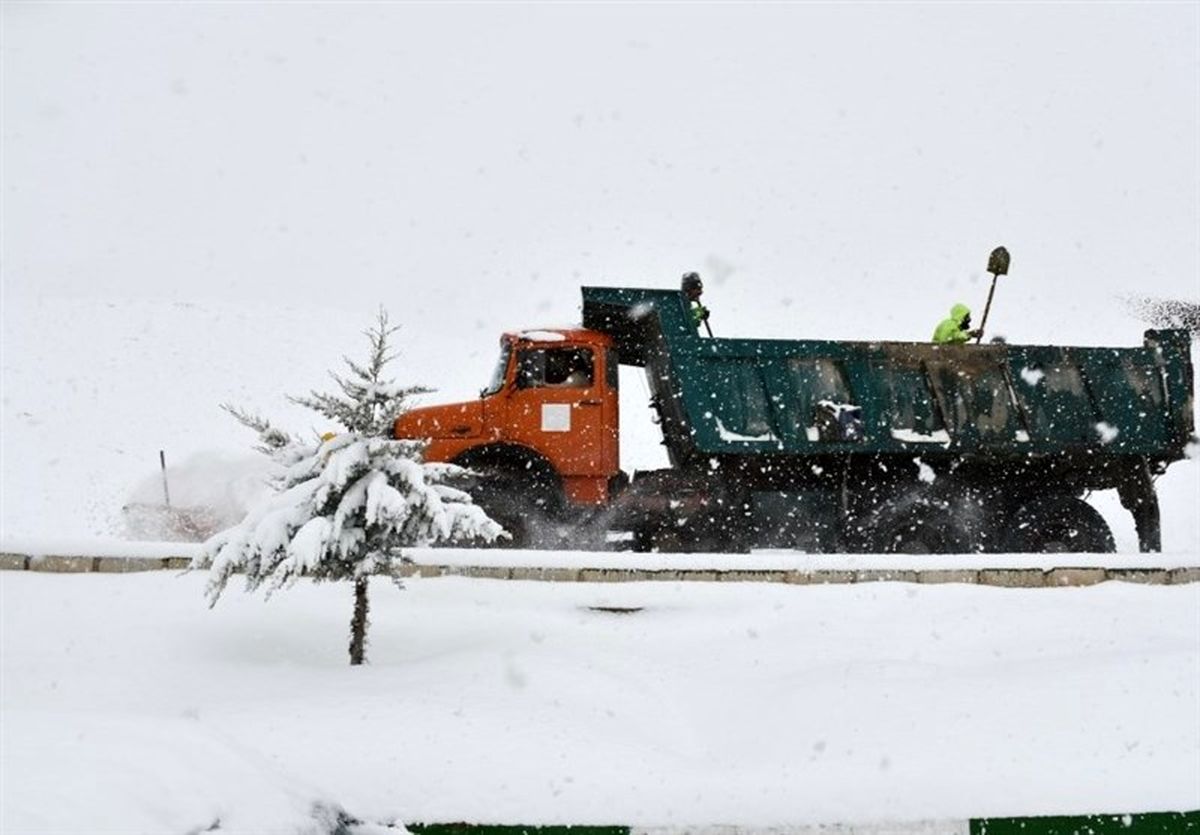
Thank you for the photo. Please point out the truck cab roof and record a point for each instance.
(550, 336)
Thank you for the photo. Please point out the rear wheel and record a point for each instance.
(918, 523)
(1058, 525)
(927, 529)
(714, 530)
(664, 538)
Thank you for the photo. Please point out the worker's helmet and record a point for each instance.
(690, 282)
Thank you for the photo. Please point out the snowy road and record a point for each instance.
(128, 705)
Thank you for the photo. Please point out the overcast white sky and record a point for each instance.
(479, 162)
(206, 202)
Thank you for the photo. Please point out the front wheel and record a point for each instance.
(527, 510)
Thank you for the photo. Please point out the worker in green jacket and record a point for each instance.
(692, 288)
(956, 328)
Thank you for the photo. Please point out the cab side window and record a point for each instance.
(555, 368)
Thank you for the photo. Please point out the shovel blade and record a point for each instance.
(998, 261)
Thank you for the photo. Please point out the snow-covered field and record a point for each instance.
(130, 707)
(206, 203)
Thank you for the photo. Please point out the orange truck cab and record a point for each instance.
(546, 426)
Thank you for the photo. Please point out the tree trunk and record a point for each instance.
(359, 623)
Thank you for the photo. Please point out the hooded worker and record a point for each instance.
(956, 328)
(692, 287)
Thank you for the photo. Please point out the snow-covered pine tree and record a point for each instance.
(347, 503)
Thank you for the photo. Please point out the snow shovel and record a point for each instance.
(997, 266)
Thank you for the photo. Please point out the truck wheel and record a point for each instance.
(1058, 525)
(667, 538)
(512, 515)
(523, 508)
(928, 525)
(662, 538)
(518, 489)
(530, 524)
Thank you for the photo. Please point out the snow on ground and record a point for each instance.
(128, 706)
(206, 203)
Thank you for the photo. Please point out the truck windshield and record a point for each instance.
(497, 381)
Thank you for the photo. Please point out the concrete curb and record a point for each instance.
(1142, 823)
(1064, 576)
(72, 564)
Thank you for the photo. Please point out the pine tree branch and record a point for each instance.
(271, 439)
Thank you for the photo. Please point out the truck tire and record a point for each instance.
(667, 538)
(918, 523)
(662, 539)
(530, 509)
(520, 516)
(1058, 525)
(518, 489)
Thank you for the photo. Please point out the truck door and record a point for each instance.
(558, 408)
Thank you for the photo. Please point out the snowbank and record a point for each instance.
(129, 705)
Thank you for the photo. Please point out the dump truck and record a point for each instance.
(820, 446)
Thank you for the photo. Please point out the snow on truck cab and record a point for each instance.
(815, 445)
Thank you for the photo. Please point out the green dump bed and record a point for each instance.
(746, 397)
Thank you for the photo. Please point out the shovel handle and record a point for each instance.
(986, 308)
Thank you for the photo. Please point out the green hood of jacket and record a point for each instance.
(950, 329)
